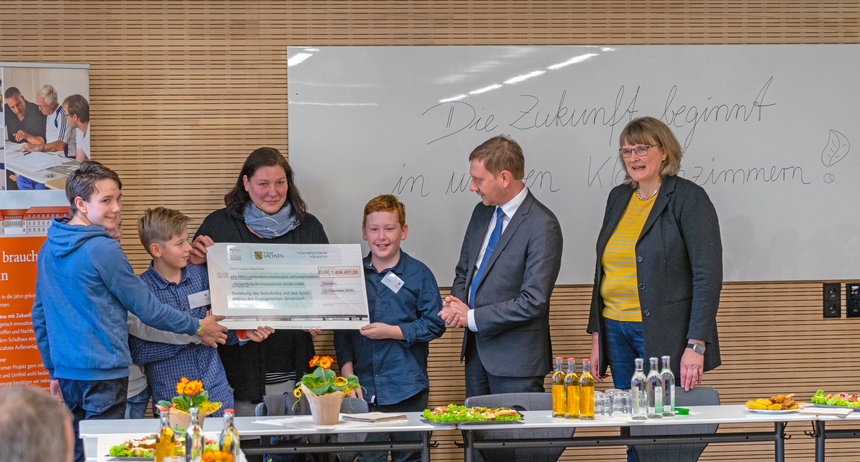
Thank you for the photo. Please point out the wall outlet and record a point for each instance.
(832, 300)
(832, 310)
(832, 291)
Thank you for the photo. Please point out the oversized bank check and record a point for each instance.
(288, 286)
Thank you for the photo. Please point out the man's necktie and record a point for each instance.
(494, 239)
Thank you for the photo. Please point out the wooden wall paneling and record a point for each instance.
(182, 91)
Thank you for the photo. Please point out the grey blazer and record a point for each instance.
(512, 300)
(679, 269)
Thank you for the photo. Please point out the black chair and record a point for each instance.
(699, 396)
(520, 402)
(291, 407)
(350, 406)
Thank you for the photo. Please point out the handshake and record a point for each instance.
(454, 312)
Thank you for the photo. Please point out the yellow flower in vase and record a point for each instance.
(323, 380)
(325, 390)
(190, 393)
(180, 387)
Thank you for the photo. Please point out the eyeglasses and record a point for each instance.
(641, 151)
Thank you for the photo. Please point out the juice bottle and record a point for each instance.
(229, 441)
(558, 408)
(586, 392)
(571, 391)
(165, 438)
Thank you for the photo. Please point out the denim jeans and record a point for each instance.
(93, 400)
(138, 404)
(416, 403)
(25, 183)
(625, 341)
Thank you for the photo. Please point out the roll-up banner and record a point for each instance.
(45, 126)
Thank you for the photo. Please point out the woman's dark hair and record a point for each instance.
(238, 198)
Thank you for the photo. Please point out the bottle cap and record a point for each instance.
(558, 357)
(571, 359)
(230, 411)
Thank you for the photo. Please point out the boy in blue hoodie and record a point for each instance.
(85, 288)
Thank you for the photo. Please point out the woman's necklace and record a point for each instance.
(649, 196)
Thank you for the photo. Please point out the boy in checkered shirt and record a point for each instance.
(185, 287)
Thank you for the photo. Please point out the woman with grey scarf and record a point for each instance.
(263, 207)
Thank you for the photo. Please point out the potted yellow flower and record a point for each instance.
(191, 394)
(325, 390)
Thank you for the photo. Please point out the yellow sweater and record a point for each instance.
(619, 287)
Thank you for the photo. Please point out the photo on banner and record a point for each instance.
(45, 127)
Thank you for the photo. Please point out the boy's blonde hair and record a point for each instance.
(385, 203)
(160, 225)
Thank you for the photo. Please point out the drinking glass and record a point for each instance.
(601, 405)
(621, 405)
(612, 393)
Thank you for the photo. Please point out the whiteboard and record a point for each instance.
(767, 131)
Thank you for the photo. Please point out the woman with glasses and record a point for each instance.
(659, 265)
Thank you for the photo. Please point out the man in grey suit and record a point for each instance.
(508, 265)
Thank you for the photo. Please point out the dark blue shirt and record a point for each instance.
(33, 123)
(394, 370)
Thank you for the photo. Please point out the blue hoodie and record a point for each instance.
(85, 288)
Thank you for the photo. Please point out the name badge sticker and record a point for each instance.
(392, 282)
(199, 299)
